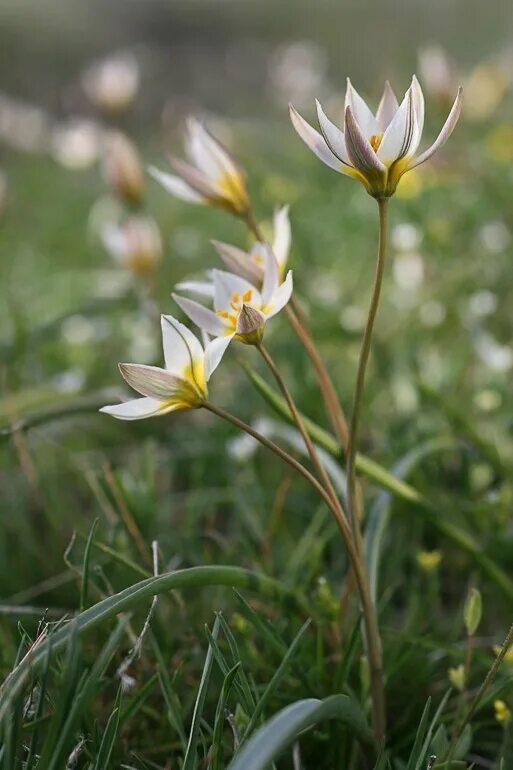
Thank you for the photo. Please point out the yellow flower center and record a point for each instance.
(375, 141)
(237, 300)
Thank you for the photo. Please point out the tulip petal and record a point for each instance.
(280, 297)
(388, 106)
(203, 288)
(367, 123)
(314, 140)
(181, 347)
(360, 152)
(333, 136)
(203, 317)
(444, 134)
(282, 236)
(140, 408)
(214, 352)
(207, 152)
(401, 138)
(271, 276)
(151, 381)
(176, 186)
(238, 261)
(226, 285)
(418, 104)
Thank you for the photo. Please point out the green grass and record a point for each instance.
(221, 667)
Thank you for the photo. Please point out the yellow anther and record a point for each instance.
(246, 297)
(375, 141)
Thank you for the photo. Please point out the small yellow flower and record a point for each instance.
(502, 712)
(429, 561)
(508, 658)
(457, 677)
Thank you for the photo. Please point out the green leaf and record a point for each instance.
(217, 740)
(472, 611)
(85, 566)
(130, 597)
(280, 732)
(109, 736)
(191, 753)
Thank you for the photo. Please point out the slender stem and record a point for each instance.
(284, 455)
(370, 622)
(312, 451)
(360, 376)
(298, 322)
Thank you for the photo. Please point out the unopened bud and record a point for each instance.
(112, 84)
(122, 169)
(250, 325)
(473, 611)
(457, 677)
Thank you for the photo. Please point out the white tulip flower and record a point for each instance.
(182, 384)
(240, 309)
(212, 176)
(377, 149)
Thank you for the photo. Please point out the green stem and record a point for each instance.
(362, 367)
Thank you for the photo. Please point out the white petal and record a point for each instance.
(228, 284)
(362, 156)
(238, 261)
(176, 186)
(139, 409)
(151, 381)
(280, 297)
(388, 106)
(282, 235)
(401, 138)
(203, 317)
(418, 104)
(214, 352)
(314, 140)
(361, 112)
(271, 276)
(182, 349)
(333, 136)
(208, 153)
(444, 134)
(203, 288)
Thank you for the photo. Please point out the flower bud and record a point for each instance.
(112, 84)
(250, 325)
(136, 244)
(122, 168)
(473, 611)
(457, 677)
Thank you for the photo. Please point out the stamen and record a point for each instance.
(375, 141)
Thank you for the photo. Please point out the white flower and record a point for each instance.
(112, 84)
(183, 382)
(250, 265)
(375, 149)
(135, 243)
(240, 309)
(211, 176)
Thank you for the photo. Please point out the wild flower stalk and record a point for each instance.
(377, 150)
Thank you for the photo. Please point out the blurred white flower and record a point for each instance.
(408, 270)
(482, 303)
(437, 73)
(135, 244)
(498, 357)
(3, 192)
(242, 447)
(78, 330)
(494, 236)
(376, 149)
(297, 71)
(23, 126)
(352, 318)
(405, 237)
(122, 169)
(70, 381)
(112, 84)
(487, 399)
(76, 144)
(183, 382)
(211, 175)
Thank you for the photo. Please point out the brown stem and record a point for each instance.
(298, 322)
(370, 622)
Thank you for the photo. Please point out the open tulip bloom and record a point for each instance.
(240, 309)
(375, 149)
(211, 175)
(183, 382)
